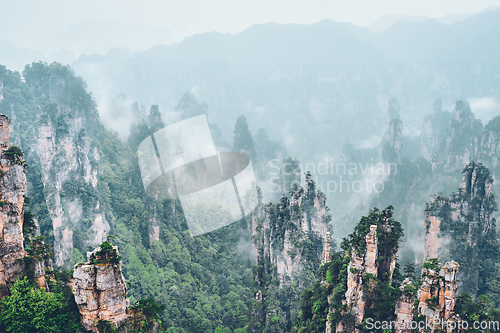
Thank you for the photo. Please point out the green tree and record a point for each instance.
(29, 310)
(155, 121)
(243, 141)
(189, 106)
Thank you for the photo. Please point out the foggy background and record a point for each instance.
(63, 30)
(315, 76)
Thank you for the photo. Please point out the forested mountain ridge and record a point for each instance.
(291, 239)
(84, 183)
(317, 88)
(462, 227)
(204, 282)
(327, 70)
(361, 288)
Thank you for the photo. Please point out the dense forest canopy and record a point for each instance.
(375, 178)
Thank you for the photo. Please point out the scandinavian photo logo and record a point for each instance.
(215, 188)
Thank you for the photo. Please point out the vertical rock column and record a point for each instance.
(438, 293)
(360, 265)
(462, 226)
(100, 290)
(12, 189)
(326, 248)
(404, 307)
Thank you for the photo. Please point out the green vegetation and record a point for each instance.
(207, 283)
(481, 311)
(276, 301)
(106, 255)
(433, 264)
(29, 310)
(145, 313)
(383, 288)
(14, 151)
(243, 141)
(16, 154)
(474, 242)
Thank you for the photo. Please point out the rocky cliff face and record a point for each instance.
(359, 288)
(57, 125)
(433, 302)
(463, 138)
(435, 245)
(394, 136)
(289, 240)
(434, 131)
(489, 151)
(370, 263)
(69, 161)
(12, 189)
(279, 231)
(100, 290)
(404, 307)
(462, 227)
(438, 292)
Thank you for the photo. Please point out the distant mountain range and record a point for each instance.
(386, 21)
(289, 77)
(98, 37)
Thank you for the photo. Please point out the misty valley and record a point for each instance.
(287, 178)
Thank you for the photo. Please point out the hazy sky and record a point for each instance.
(28, 17)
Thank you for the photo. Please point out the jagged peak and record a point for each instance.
(493, 125)
(393, 109)
(476, 180)
(463, 111)
(438, 104)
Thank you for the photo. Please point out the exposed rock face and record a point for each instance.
(289, 241)
(394, 136)
(362, 269)
(463, 137)
(326, 249)
(358, 289)
(277, 231)
(39, 262)
(65, 161)
(435, 298)
(12, 189)
(435, 242)
(489, 150)
(373, 252)
(404, 307)
(59, 131)
(438, 292)
(100, 291)
(434, 131)
(464, 218)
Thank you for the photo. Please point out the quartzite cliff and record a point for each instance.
(99, 288)
(12, 189)
(462, 227)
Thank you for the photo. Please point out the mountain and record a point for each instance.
(15, 57)
(321, 70)
(385, 22)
